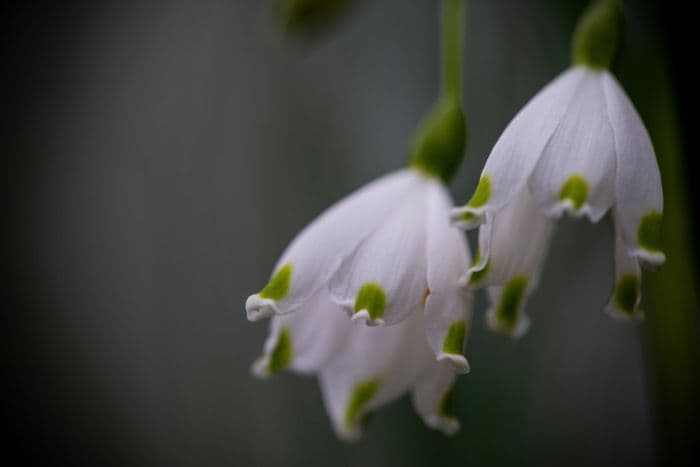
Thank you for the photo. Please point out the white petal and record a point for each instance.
(383, 281)
(376, 366)
(626, 296)
(304, 341)
(512, 250)
(317, 251)
(518, 149)
(576, 172)
(515, 242)
(506, 314)
(638, 193)
(448, 304)
(431, 398)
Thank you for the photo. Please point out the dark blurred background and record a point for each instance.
(159, 157)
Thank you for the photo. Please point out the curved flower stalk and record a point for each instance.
(578, 147)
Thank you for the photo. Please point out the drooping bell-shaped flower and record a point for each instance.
(382, 254)
(368, 296)
(578, 147)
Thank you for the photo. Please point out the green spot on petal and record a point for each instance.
(454, 340)
(476, 276)
(468, 217)
(482, 193)
(281, 355)
(278, 286)
(649, 231)
(627, 292)
(371, 297)
(511, 299)
(447, 403)
(359, 399)
(575, 189)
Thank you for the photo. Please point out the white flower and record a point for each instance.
(578, 147)
(385, 255)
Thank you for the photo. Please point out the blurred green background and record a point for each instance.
(175, 147)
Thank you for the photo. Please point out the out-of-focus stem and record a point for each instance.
(672, 307)
(453, 26)
(673, 301)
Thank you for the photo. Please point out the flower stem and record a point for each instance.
(438, 143)
(453, 26)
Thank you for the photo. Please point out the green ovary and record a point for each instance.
(361, 395)
(281, 355)
(278, 286)
(439, 143)
(627, 293)
(454, 340)
(597, 35)
(511, 299)
(372, 298)
(649, 231)
(575, 189)
(482, 193)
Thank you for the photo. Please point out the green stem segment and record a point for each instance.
(440, 139)
(453, 19)
(597, 35)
